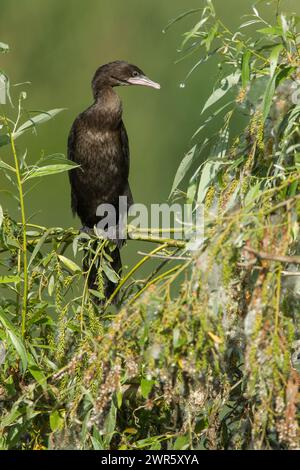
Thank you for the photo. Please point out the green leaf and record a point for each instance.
(209, 173)
(268, 97)
(1, 219)
(4, 140)
(38, 375)
(19, 347)
(4, 47)
(226, 84)
(252, 195)
(9, 279)
(99, 295)
(70, 264)
(56, 421)
(37, 120)
(146, 387)
(181, 16)
(191, 34)
(272, 31)
(246, 68)
(11, 417)
(212, 117)
(38, 247)
(274, 58)
(48, 170)
(6, 166)
(51, 285)
(97, 444)
(183, 168)
(110, 273)
(110, 424)
(15, 340)
(182, 443)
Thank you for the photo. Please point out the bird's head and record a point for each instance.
(120, 73)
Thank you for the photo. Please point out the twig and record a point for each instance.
(279, 258)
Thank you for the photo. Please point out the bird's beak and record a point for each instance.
(144, 81)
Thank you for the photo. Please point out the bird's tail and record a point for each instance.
(98, 279)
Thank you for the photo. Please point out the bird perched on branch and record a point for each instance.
(98, 142)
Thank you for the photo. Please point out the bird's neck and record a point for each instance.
(108, 107)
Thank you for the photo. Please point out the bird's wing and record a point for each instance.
(72, 156)
(126, 154)
(125, 145)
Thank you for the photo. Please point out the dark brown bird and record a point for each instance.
(98, 142)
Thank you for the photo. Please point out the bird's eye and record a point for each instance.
(135, 73)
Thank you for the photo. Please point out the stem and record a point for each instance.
(133, 270)
(23, 217)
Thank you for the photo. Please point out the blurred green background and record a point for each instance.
(57, 45)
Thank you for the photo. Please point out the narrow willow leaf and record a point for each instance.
(1, 216)
(4, 140)
(6, 166)
(246, 68)
(249, 23)
(183, 168)
(69, 264)
(37, 120)
(20, 348)
(110, 273)
(110, 424)
(212, 117)
(272, 31)
(146, 387)
(56, 421)
(97, 444)
(180, 17)
(38, 375)
(226, 85)
(182, 442)
(209, 173)
(48, 170)
(9, 279)
(274, 58)
(268, 97)
(252, 195)
(38, 247)
(15, 340)
(51, 285)
(191, 34)
(4, 47)
(12, 416)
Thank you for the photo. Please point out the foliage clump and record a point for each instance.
(215, 366)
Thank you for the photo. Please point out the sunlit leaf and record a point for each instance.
(69, 264)
(268, 97)
(182, 442)
(226, 84)
(183, 168)
(146, 387)
(9, 279)
(37, 120)
(274, 58)
(56, 421)
(4, 47)
(181, 16)
(246, 68)
(48, 170)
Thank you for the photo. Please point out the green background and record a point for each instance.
(58, 44)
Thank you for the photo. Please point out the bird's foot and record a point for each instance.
(87, 230)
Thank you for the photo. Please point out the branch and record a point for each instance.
(279, 258)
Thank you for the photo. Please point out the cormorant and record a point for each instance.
(98, 142)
